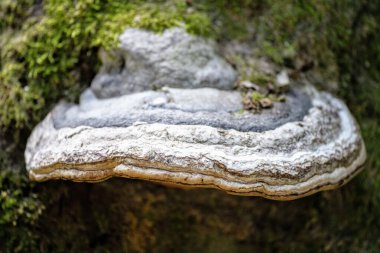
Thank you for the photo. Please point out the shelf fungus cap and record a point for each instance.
(201, 145)
(201, 137)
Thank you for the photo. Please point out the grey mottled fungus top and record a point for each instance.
(222, 110)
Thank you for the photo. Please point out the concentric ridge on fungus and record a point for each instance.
(128, 124)
(321, 151)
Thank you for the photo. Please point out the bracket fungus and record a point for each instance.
(194, 132)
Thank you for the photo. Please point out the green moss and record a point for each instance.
(45, 58)
(155, 17)
(20, 209)
(13, 13)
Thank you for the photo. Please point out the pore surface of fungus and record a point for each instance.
(197, 135)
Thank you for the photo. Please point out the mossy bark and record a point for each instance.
(47, 53)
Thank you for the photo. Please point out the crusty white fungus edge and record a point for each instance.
(243, 163)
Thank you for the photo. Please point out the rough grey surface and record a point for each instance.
(147, 61)
(207, 107)
(190, 100)
(320, 151)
